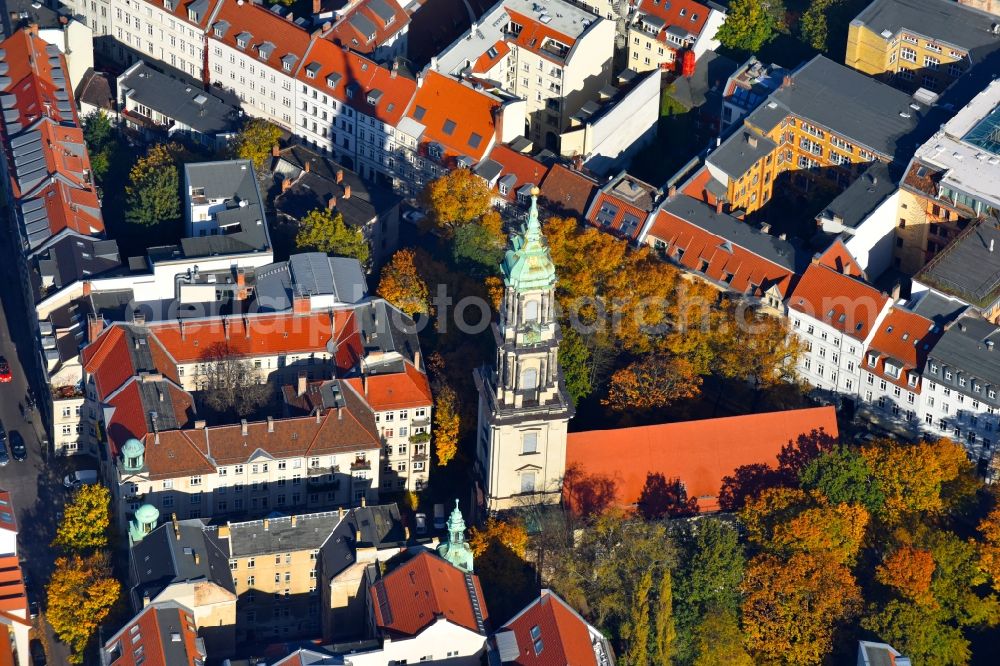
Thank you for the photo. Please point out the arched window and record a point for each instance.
(530, 311)
(529, 379)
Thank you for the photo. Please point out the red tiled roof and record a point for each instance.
(905, 337)
(528, 170)
(623, 207)
(400, 390)
(413, 595)
(344, 33)
(534, 35)
(72, 208)
(130, 416)
(564, 634)
(157, 624)
(843, 302)
(363, 75)
(13, 598)
(6, 648)
(567, 191)
(447, 104)
(486, 61)
(840, 259)
(30, 71)
(181, 11)
(696, 187)
(698, 453)
(727, 263)
(264, 26)
(677, 13)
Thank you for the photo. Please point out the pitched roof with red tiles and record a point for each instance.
(412, 596)
(346, 33)
(327, 63)
(840, 259)
(567, 191)
(130, 411)
(846, 303)
(113, 358)
(180, 11)
(903, 339)
(457, 117)
(399, 390)
(526, 169)
(264, 27)
(623, 205)
(13, 596)
(565, 637)
(685, 15)
(700, 454)
(697, 187)
(72, 208)
(167, 636)
(29, 61)
(719, 259)
(490, 58)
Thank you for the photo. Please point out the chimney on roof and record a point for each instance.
(300, 387)
(145, 599)
(991, 244)
(395, 70)
(197, 557)
(199, 424)
(275, 150)
(434, 64)
(95, 325)
(295, 519)
(319, 414)
(317, 7)
(267, 524)
(752, 139)
(224, 531)
(340, 413)
(87, 288)
(286, 184)
(406, 533)
(718, 206)
(331, 203)
(357, 536)
(347, 191)
(307, 167)
(895, 291)
(765, 228)
(340, 512)
(33, 29)
(989, 345)
(788, 81)
(364, 501)
(671, 191)
(340, 176)
(243, 427)
(364, 384)
(241, 284)
(417, 360)
(270, 424)
(177, 527)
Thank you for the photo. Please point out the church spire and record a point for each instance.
(527, 264)
(456, 549)
(533, 230)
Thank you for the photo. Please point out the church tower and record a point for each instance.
(523, 404)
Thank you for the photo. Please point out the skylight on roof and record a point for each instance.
(986, 133)
(418, 112)
(475, 140)
(449, 127)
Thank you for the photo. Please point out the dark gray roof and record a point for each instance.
(864, 195)
(233, 180)
(362, 24)
(488, 170)
(312, 273)
(71, 258)
(95, 89)
(381, 9)
(19, 13)
(711, 71)
(878, 655)
(969, 267)
(181, 101)
(963, 350)
(382, 329)
(379, 525)
(161, 559)
(772, 248)
(941, 20)
(823, 92)
(309, 532)
(939, 308)
(740, 152)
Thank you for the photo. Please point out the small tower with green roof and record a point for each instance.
(133, 455)
(456, 549)
(144, 522)
(523, 403)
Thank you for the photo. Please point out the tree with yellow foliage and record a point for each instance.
(402, 285)
(446, 425)
(989, 552)
(323, 230)
(255, 141)
(80, 595)
(455, 199)
(85, 520)
(791, 607)
(510, 533)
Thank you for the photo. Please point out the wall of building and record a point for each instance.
(214, 611)
(908, 60)
(441, 641)
(706, 40)
(874, 239)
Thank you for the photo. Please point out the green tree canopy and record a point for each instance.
(153, 193)
(475, 248)
(748, 26)
(325, 231)
(843, 476)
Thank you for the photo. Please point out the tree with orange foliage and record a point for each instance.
(495, 289)
(455, 199)
(499, 549)
(446, 425)
(770, 508)
(402, 285)
(654, 381)
(511, 534)
(913, 477)
(755, 347)
(989, 551)
(791, 608)
(835, 530)
(909, 571)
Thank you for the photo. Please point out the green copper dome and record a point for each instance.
(133, 448)
(456, 549)
(144, 522)
(147, 513)
(527, 264)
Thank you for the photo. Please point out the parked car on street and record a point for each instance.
(439, 521)
(414, 216)
(5, 376)
(17, 447)
(421, 523)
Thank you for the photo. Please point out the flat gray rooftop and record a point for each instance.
(969, 267)
(944, 21)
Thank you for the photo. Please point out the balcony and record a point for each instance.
(360, 464)
(322, 471)
(66, 392)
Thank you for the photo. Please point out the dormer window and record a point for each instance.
(872, 359)
(310, 74)
(434, 150)
(192, 15)
(287, 66)
(168, 5)
(389, 21)
(683, 12)
(218, 32)
(913, 379)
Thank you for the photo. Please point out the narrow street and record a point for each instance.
(36, 484)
